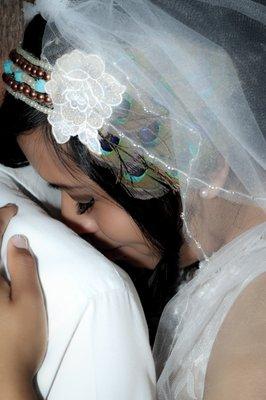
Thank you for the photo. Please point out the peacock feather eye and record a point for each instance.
(108, 143)
(174, 174)
(149, 135)
(122, 112)
(134, 173)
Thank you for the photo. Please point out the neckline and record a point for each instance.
(240, 242)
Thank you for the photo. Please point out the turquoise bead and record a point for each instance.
(40, 85)
(8, 67)
(19, 76)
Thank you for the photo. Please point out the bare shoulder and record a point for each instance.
(237, 365)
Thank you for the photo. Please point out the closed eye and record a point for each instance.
(83, 207)
(80, 207)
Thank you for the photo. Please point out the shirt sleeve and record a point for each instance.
(109, 356)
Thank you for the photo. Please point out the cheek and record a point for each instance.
(116, 224)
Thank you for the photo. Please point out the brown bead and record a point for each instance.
(29, 68)
(40, 73)
(33, 94)
(5, 78)
(14, 86)
(48, 99)
(24, 66)
(10, 82)
(16, 60)
(40, 97)
(34, 71)
(20, 87)
(47, 76)
(26, 90)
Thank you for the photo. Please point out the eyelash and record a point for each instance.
(83, 207)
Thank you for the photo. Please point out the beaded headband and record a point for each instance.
(82, 100)
(25, 77)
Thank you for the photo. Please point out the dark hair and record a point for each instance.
(158, 218)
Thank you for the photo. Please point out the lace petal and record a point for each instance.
(77, 74)
(94, 65)
(95, 120)
(59, 134)
(89, 137)
(110, 83)
(70, 61)
(112, 90)
(96, 88)
(104, 110)
(72, 115)
(77, 100)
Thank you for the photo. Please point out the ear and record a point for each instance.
(218, 180)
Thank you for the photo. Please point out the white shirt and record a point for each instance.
(108, 356)
(98, 346)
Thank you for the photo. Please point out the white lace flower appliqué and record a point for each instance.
(83, 95)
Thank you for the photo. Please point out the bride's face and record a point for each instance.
(103, 222)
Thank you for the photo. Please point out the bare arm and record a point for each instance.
(17, 390)
(237, 366)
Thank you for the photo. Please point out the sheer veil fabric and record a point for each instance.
(212, 141)
(202, 80)
(187, 334)
(192, 319)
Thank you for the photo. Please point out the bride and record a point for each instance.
(132, 111)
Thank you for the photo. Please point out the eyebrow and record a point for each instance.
(65, 187)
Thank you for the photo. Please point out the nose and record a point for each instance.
(81, 224)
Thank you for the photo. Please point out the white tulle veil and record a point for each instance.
(185, 78)
(182, 78)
